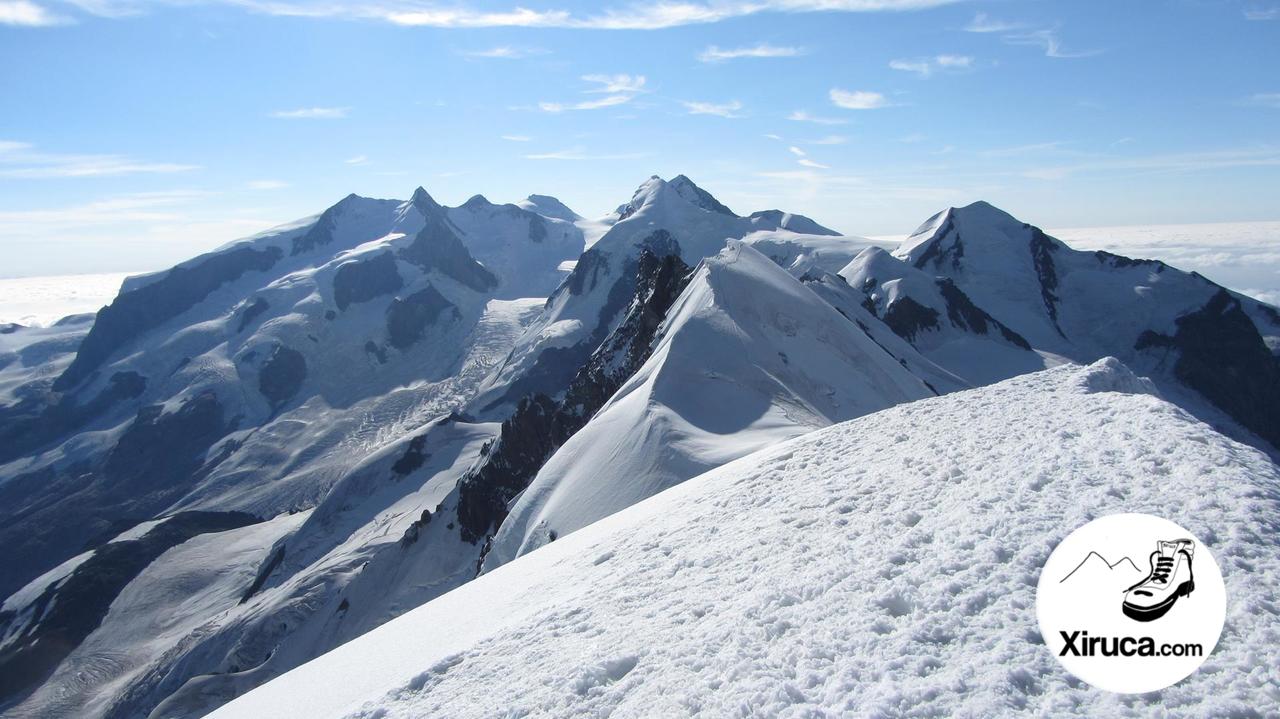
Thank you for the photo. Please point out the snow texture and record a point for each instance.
(880, 567)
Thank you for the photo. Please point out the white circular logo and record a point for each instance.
(1131, 603)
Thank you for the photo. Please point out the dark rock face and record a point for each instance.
(134, 313)
(587, 272)
(70, 610)
(437, 247)
(964, 314)
(321, 233)
(376, 350)
(554, 367)
(907, 318)
(363, 280)
(540, 425)
(407, 318)
(282, 375)
(1120, 261)
(938, 255)
(264, 573)
(1042, 251)
(1222, 356)
(413, 456)
(252, 312)
(537, 229)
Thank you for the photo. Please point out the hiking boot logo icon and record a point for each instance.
(1125, 618)
(1170, 577)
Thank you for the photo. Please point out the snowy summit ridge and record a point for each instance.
(273, 449)
(857, 570)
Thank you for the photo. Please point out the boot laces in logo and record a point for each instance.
(1131, 603)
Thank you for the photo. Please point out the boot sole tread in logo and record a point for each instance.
(1131, 626)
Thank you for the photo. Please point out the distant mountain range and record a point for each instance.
(271, 449)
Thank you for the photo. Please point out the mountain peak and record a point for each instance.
(698, 196)
(424, 202)
(548, 206)
(656, 190)
(476, 201)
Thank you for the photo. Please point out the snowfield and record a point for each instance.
(885, 566)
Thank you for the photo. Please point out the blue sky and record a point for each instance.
(135, 133)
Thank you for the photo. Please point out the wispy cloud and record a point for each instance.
(727, 109)
(631, 16)
(1047, 40)
(858, 99)
(1021, 33)
(804, 160)
(580, 154)
(618, 90)
(984, 23)
(1265, 99)
(607, 101)
(1262, 13)
(312, 113)
(926, 66)
(616, 83)
(715, 54)
(21, 160)
(804, 116)
(505, 52)
(140, 207)
(28, 14)
(517, 138)
(829, 140)
(357, 160)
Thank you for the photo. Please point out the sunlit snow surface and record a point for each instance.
(41, 301)
(885, 566)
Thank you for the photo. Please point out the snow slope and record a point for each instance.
(748, 357)
(868, 569)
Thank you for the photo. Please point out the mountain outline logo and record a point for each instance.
(1126, 625)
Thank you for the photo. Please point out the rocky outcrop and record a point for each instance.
(965, 315)
(321, 233)
(540, 425)
(408, 318)
(438, 248)
(365, 279)
(907, 318)
(282, 375)
(1222, 356)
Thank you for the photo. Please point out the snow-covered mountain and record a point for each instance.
(1212, 350)
(265, 379)
(866, 569)
(274, 448)
(748, 357)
